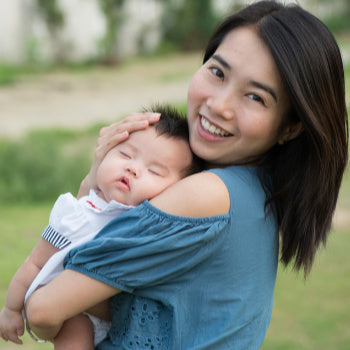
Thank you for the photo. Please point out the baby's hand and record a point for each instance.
(11, 325)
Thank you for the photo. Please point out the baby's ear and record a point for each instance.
(290, 132)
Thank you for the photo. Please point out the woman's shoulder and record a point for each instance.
(199, 195)
(210, 193)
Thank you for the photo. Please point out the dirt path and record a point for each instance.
(79, 99)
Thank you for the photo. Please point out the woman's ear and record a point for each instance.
(290, 132)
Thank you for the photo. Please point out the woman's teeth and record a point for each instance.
(212, 129)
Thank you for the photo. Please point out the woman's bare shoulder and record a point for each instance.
(198, 195)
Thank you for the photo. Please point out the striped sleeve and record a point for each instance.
(55, 238)
(66, 223)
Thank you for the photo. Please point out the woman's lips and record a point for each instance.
(210, 131)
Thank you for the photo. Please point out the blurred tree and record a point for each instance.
(39, 167)
(338, 21)
(54, 19)
(112, 10)
(52, 13)
(189, 25)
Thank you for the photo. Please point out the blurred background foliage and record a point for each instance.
(52, 13)
(338, 22)
(188, 27)
(184, 26)
(112, 10)
(43, 164)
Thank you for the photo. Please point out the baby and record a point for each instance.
(137, 169)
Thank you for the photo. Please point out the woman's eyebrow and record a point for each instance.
(222, 61)
(257, 84)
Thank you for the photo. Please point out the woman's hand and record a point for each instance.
(110, 137)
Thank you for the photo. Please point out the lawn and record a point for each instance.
(20, 227)
(314, 314)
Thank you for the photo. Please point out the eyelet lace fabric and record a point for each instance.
(139, 323)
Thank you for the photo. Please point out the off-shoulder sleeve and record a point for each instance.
(146, 246)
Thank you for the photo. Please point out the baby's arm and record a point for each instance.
(11, 321)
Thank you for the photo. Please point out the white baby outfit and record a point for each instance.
(73, 222)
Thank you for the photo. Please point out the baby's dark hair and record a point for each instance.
(173, 123)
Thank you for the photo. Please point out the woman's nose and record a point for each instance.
(222, 105)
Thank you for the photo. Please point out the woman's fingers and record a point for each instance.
(107, 141)
(133, 122)
(151, 117)
(114, 134)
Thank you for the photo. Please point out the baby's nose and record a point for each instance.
(133, 169)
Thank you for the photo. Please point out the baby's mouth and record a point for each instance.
(123, 183)
(213, 129)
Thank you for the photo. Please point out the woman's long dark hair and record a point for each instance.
(307, 171)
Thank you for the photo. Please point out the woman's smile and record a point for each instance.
(213, 129)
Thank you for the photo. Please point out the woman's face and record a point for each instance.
(236, 102)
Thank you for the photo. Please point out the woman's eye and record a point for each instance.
(256, 98)
(218, 72)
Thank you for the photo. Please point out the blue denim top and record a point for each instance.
(188, 283)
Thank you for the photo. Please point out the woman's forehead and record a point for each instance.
(244, 43)
(246, 55)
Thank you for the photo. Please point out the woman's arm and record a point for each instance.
(110, 137)
(67, 295)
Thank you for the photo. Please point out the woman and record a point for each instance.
(197, 264)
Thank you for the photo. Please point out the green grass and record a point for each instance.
(20, 227)
(11, 74)
(44, 164)
(314, 314)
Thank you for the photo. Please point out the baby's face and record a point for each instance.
(142, 166)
